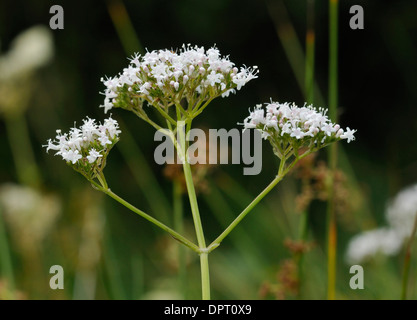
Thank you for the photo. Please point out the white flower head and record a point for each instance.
(86, 148)
(289, 127)
(164, 77)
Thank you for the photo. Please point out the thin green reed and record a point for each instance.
(332, 155)
(6, 264)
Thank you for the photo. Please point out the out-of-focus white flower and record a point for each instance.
(31, 49)
(400, 215)
(289, 127)
(87, 147)
(402, 210)
(30, 213)
(369, 243)
(165, 76)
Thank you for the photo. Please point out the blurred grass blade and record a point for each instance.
(144, 176)
(5, 255)
(292, 45)
(114, 276)
(241, 240)
(310, 46)
(123, 24)
(332, 153)
(22, 151)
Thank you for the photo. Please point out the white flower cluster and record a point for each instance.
(400, 214)
(285, 124)
(87, 147)
(165, 76)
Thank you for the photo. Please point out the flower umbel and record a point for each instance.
(86, 148)
(164, 78)
(290, 128)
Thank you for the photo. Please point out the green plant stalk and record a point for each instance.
(151, 219)
(182, 147)
(205, 275)
(309, 93)
(407, 261)
(310, 48)
(179, 225)
(333, 59)
(281, 173)
(190, 184)
(242, 215)
(331, 227)
(332, 155)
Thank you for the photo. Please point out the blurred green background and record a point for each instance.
(109, 253)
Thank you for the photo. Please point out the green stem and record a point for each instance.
(190, 186)
(205, 276)
(407, 260)
(200, 110)
(156, 222)
(179, 225)
(242, 215)
(309, 94)
(182, 147)
(333, 59)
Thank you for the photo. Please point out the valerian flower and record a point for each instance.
(86, 148)
(400, 214)
(164, 78)
(290, 128)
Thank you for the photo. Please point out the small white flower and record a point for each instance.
(348, 134)
(71, 155)
(93, 155)
(297, 133)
